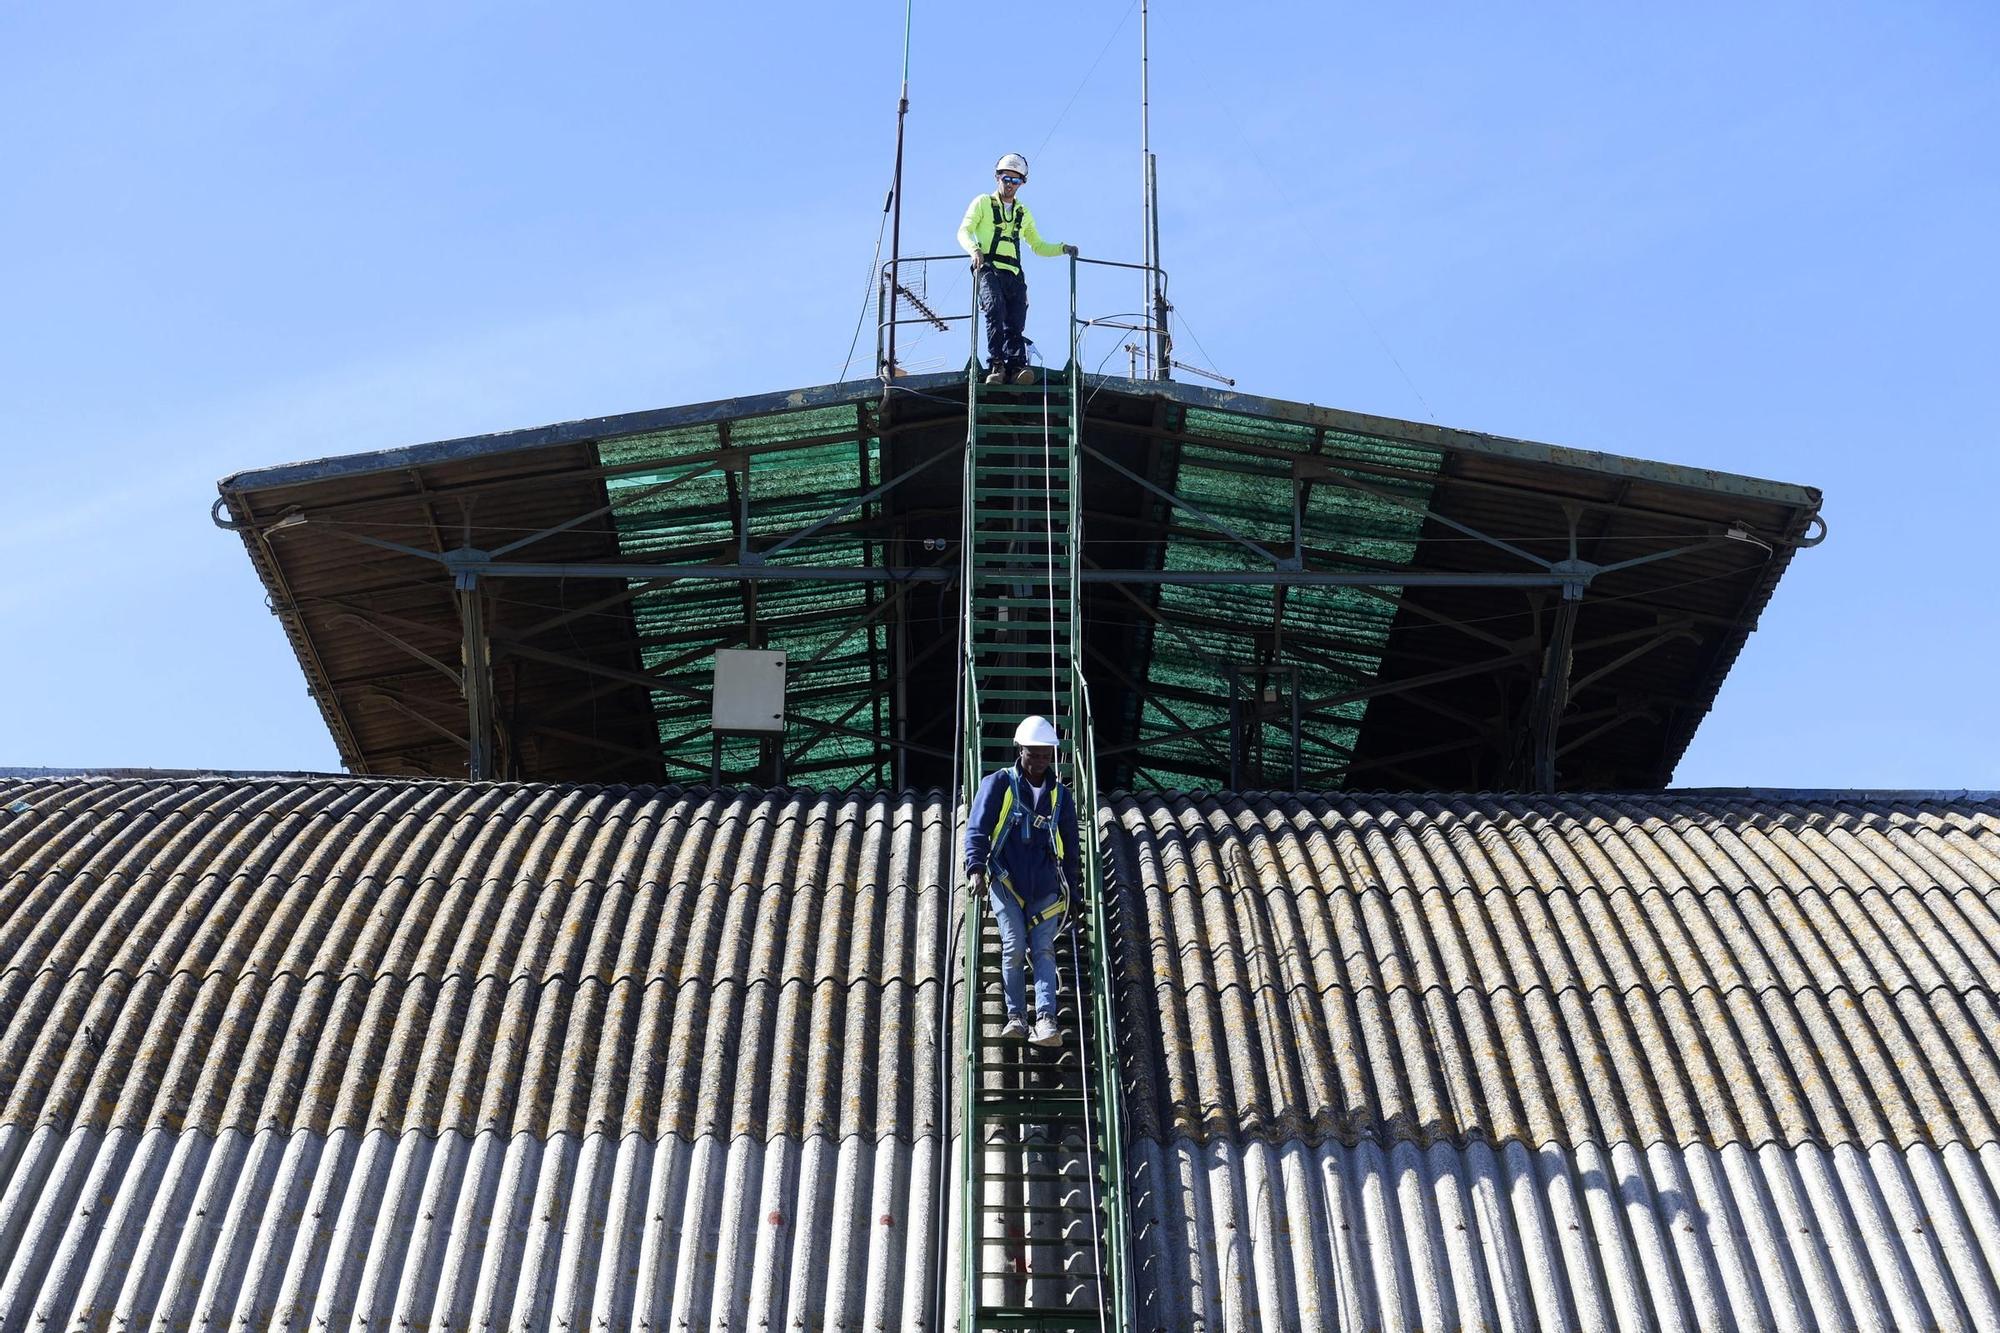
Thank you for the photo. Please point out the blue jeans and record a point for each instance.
(1003, 299)
(1018, 942)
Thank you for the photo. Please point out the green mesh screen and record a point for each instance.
(1215, 626)
(807, 464)
(804, 466)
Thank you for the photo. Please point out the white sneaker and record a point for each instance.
(1046, 1032)
(1015, 1029)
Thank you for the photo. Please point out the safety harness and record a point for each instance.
(1002, 236)
(1016, 810)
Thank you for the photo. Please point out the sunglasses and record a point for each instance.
(1013, 180)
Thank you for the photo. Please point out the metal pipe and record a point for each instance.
(896, 194)
(900, 711)
(1145, 170)
(1302, 578)
(1553, 691)
(1298, 780)
(477, 678)
(1158, 307)
(1235, 731)
(882, 325)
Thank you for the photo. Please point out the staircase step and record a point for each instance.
(1014, 1108)
(1045, 1321)
(1037, 561)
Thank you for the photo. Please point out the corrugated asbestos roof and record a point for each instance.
(291, 1054)
(1661, 1061)
(341, 1052)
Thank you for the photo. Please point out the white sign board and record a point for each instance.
(749, 690)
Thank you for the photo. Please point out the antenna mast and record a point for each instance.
(1159, 346)
(1146, 178)
(896, 195)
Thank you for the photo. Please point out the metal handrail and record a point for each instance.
(890, 270)
(1106, 1110)
(1084, 744)
(971, 1231)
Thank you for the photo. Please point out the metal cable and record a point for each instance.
(1089, 1116)
(894, 186)
(961, 907)
(1085, 81)
(862, 317)
(953, 924)
(1049, 543)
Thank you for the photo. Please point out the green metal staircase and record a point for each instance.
(1041, 1238)
(1020, 620)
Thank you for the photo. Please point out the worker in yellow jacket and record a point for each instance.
(994, 227)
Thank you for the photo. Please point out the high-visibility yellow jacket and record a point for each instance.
(998, 234)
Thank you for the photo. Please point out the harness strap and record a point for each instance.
(1053, 911)
(1003, 826)
(1002, 236)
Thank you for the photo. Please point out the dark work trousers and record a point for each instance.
(1003, 299)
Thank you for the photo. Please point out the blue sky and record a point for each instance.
(1757, 238)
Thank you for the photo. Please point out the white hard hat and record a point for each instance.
(1036, 731)
(1013, 162)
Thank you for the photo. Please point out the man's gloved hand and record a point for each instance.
(975, 885)
(978, 259)
(1070, 250)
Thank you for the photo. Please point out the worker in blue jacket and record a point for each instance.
(1022, 838)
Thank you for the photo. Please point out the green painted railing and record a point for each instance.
(1099, 1064)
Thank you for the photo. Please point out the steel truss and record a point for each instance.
(1570, 679)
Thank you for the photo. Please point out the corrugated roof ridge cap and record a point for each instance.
(1663, 794)
(123, 773)
(98, 777)
(1863, 795)
(1213, 1132)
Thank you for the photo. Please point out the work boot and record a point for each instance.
(1024, 376)
(1015, 1030)
(997, 375)
(1046, 1032)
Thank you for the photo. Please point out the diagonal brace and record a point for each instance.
(1277, 561)
(758, 557)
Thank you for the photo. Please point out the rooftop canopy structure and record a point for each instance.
(1275, 594)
